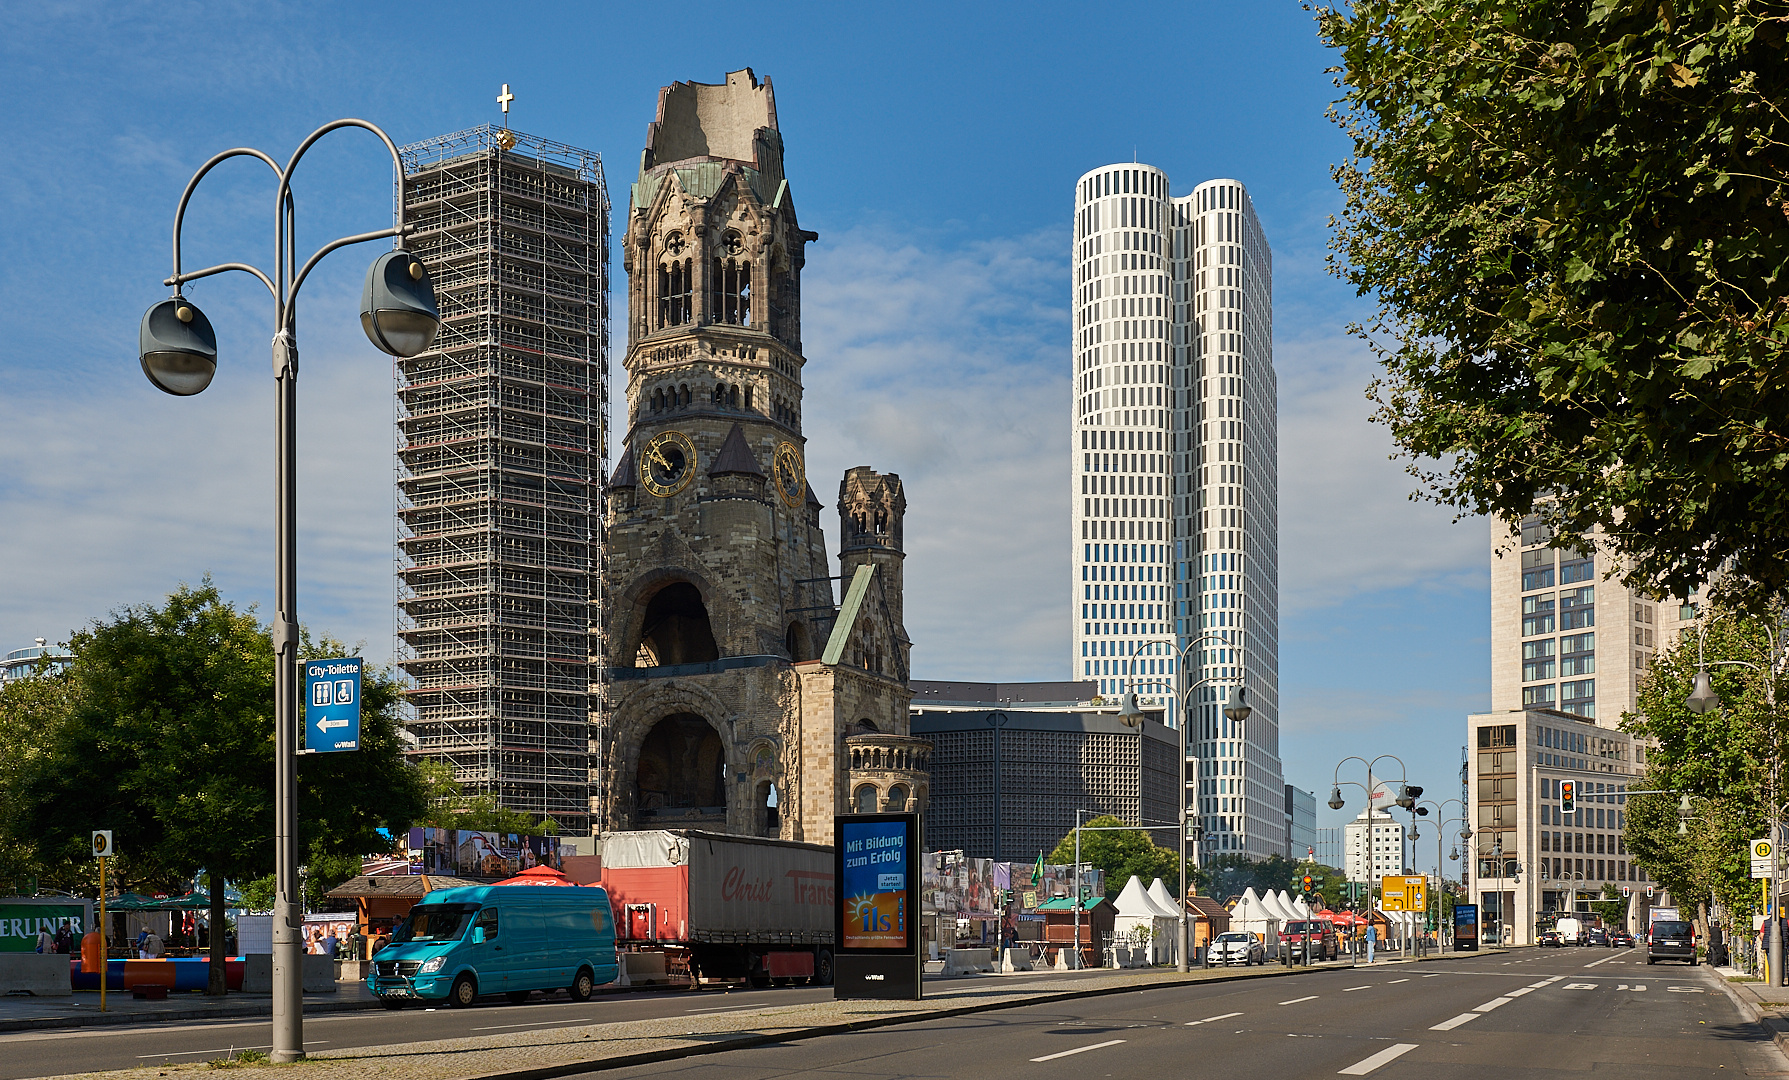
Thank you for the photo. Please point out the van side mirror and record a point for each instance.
(478, 935)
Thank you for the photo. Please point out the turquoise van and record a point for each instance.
(476, 941)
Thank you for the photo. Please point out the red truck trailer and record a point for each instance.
(723, 907)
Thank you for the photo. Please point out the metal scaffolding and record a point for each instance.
(502, 453)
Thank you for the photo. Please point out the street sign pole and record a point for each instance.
(102, 850)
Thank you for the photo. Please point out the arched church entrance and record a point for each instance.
(676, 629)
(682, 774)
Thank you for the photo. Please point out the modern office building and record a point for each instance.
(1570, 645)
(1550, 862)
(1376, 844)
(501, 451)
(1007, 777)
(1175, 488)
(21, 663)
(1301, 823)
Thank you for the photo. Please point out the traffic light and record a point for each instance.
(1568, 796)
(1307, 884)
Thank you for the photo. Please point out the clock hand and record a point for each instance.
(653, 453)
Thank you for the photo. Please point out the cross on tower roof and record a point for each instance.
(504, 99)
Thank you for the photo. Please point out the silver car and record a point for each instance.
(1235, 949)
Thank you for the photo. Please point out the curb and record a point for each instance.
(745, 1042)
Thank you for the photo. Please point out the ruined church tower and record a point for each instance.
(740, 691)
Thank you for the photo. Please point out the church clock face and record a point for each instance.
(668, 463)
(790, 474)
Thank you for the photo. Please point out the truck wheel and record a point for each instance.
(583, 985)
(822, 967)
(464, 992)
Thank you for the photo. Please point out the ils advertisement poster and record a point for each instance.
(878, 896)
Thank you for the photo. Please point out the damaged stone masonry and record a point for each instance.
(743, 698)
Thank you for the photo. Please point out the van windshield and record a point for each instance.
(1305, 928)
(1670, 929)
(434, 922)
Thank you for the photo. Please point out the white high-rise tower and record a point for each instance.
(1176, 477)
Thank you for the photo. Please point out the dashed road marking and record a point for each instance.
(1604, 960)
(1079, 1050)
(1492, 1004)
(1395, 982)
(1449, 1025)
(1294, 1001)
(1367, 1065)
(1352, 989)
(1209, 1019)
(1684, 989)
(1519, 993)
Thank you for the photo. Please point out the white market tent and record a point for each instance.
(1254, 917)
(1164, 899)
(1300, 908)
(1277, 905)
(1137, 910)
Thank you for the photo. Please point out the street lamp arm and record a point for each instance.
(180, 279)
(186, 196)
(345, 241)
(397, 161)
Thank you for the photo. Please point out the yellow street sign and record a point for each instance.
(1404, 893)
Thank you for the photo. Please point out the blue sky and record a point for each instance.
(934, 147)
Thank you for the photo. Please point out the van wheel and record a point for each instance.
(823, 967)
(583, 985)
(464, 992)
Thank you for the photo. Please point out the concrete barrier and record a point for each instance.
(968, 961)
(257, 974)
(1015, 960)
(37, 974)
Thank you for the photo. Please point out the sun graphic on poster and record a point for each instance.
(861, 905)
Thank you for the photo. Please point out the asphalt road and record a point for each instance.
(1572, 1011)
(1532, 1011)
(52, 1052)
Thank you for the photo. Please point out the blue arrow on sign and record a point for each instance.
(332, 713)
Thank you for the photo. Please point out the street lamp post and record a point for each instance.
(1440, 836)
(1336, 802)
(178, 350)
(1238, 710)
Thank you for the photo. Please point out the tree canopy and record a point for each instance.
(1572, 217)
(162, 731)
(1720, 759)
(1119, 854)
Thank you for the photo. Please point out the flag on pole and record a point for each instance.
(1037, 872)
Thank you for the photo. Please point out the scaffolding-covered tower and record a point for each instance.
(502, 436)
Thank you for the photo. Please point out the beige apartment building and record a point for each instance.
(1569, 646)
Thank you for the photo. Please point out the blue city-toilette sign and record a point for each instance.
(332, 709)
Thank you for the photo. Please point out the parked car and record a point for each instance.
(1621, 939)
(1236, 949)
(1596, 936)
(1671, 940)
(1551, 939)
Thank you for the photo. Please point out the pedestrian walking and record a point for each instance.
(45, 943)
(152, 946)
(65, 939)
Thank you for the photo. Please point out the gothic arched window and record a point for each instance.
(731, 286)
(675, 305)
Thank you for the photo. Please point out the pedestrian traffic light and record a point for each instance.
(1568, 796)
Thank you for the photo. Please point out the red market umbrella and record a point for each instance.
(539, 875)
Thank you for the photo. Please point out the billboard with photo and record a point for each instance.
(876, 918)
(477, 854)
(1466, 927)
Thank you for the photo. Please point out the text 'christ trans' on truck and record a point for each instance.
(723, 907)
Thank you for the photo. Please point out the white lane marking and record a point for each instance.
(1352, 989)
(1580, 986)
(1449, 1025)
(1640, 989)
(1554, 979)
(1394, 982)
(535, 1023)
(1294, 1001)
(1538, 985)
(1436, 975)
(1079, 1050)
(1209, 1019)
(1684, 989)
(1492, 1004)
(1519, 993)
(222, 1050)
(1604, 960)
(1385, 1056)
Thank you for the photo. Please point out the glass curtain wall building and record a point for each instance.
(1175, 476)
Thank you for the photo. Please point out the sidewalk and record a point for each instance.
(565, 1051)
(82, 1009)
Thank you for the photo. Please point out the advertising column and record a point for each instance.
(877, 918)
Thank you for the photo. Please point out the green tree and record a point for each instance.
(1571, 215)
(1720, 759)
(1612, 908)
(449, 807)
(1119, 854)
(167, 739)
